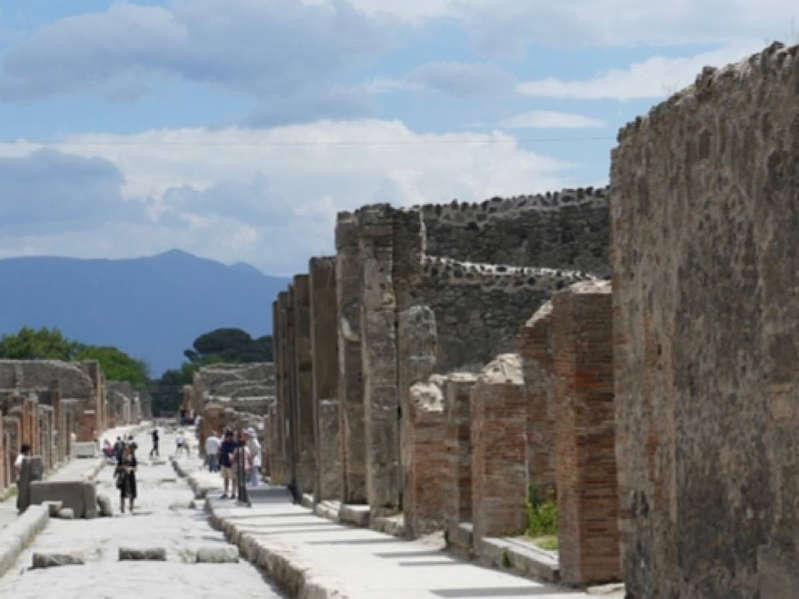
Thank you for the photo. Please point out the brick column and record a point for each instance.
(306, 463)
(425, 493)
(535, 349)
(458, 479)
(588, 504)
(324, 349)
(379, 347)
(417, 342)
(350, 376)
(499, 450)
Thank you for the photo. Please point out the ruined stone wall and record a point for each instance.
(705, 205)
(563, 230)
(479, 308)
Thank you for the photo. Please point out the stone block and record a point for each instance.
(77, 495)
(55, 560)
(357, 515)
(142, 554)
(65, 513)
(87, 449)
(218, 555)
(53, 507)
(499, 450)
(104, 507)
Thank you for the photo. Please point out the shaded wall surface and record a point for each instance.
(705, 213)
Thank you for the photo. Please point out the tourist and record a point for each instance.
(126, 478)
(132, 444)
(108, 449)
(180, 444)
(119, 448)
(24, 452)
(211, 451)
(254, 448)
(226, 450)
(154, 450)
(242, 462)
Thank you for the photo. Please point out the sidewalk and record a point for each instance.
(314, 557)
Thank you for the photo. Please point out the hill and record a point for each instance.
(152, 308)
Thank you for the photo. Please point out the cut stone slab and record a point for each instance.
(66, 513)
(354, 514)
(143, 554)
(328, 509)
(307, 500)
(218, 555)
(55, 560)
(80, 496)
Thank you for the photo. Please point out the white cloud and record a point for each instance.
(276, 49)
(270, 196)
(652, 78)
(547, 119)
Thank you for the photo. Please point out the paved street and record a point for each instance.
(162, 518)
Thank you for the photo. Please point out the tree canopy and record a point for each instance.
(51, 344)
(229, 345)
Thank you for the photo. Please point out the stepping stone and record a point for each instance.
(55, 560)
(217, 555)
(104, 506)
(145, 554)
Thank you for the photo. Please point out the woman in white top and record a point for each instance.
(255, 453)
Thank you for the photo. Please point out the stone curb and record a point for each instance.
(19, 534)
(198, 487)
(283, 566)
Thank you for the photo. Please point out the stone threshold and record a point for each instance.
(359, 515)
(519, 557)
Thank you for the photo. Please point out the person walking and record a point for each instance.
(126, 478)
(156, 439)
(242, 466)
(180, 444)
(119, 447)
(212, 444)
(226, 449)
(254, 448)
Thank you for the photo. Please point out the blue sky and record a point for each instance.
(237, 129)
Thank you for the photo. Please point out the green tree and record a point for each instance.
(44, 344)
(229, 345)
(117, 365)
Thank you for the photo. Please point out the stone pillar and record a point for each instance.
(535, 348)
(458, 479)
(324, 348)
(499, 450)
(281, 460)
(588, 505)
(306, 463)
(292, 433)
(379, 347)
(417, 343)
(350, 376)
(428, 464)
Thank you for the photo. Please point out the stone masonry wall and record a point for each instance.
(567, 230)
(705, 213)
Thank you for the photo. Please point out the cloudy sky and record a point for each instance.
(236, 129)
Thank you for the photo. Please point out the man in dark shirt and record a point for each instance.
(226, 450)
(119, 447)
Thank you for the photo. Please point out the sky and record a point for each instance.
(237, 129)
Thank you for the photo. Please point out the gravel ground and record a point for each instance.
(162, 518)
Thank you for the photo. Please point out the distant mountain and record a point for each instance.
(152, 308)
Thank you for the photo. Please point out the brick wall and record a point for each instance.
(499, 450)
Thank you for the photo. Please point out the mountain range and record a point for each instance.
(152, 308)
